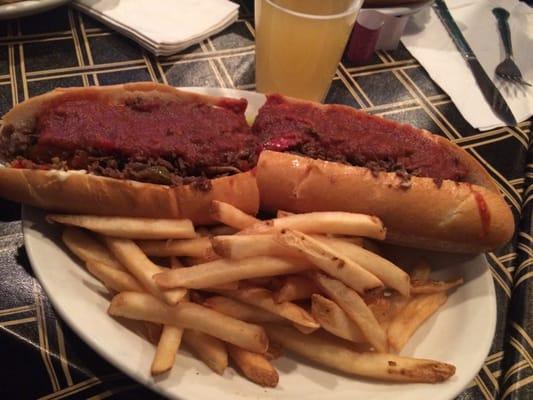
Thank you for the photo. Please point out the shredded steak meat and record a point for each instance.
(190, 143)
(148, 141)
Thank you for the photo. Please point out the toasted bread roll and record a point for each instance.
(79, 191)
(458, 217)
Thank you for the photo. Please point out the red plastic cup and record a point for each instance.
(364, 37)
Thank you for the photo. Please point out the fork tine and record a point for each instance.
(518, 80)
(512, 78)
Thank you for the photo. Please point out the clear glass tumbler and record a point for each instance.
(299, 44)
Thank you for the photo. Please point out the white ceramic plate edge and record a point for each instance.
(28, 7)
(32, 238)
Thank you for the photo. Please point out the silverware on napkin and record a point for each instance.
(507, 69)
(487, 87)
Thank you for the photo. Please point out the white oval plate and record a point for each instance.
(461, 333)
(28, 7)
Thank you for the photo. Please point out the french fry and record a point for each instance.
(203, 231)
(356, 309)
(113, 278)
(262, 298)
(242, 311)
(255, 367)
(306, 330)
(264, 281)
(325, 350)
(348, 239)
(222, 230)
(190, 261)
(226, 286)
(244, 246)
(333, 222)
(420, 271)
(129, 228)
(152, 331)
(379, 302)
(209, 349)
(274, 351)
(136, 262)
(397, 303)
(260, 268)
(295, 287)
(83, 245)
(175, 262)
(169, 341)
(230, 215)
(224, 271)
(281, 213)
(196, 297)
(391, 275)
(165, 353)
(429, 286)
(199, 247)
(145, 307)
(418, 310)
(275, 282)
(381, 308)
(330, 261)
(334, 320)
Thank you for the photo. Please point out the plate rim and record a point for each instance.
(152, 384)
(28, 7)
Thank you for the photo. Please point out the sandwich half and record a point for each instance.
(140, 149)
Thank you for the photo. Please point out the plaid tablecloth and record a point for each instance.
(40, 357)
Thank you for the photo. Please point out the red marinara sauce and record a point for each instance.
(200, 134)
(483, 209)
(335, 132)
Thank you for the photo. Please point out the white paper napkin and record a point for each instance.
(428, 41)
(164, 26)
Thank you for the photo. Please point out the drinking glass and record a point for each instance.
(299, 44)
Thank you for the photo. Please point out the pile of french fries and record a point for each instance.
(314, 284)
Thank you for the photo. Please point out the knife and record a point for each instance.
(487, 87)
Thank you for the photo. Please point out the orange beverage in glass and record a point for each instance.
(299, 44)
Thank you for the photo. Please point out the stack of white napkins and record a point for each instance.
(163, 27)
(427, 40)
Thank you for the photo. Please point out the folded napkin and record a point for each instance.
(428, 41)
(163, 27)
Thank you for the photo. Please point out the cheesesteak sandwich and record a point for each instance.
(150, 150)
(429, 192)
(140, 149)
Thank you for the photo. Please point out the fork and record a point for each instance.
(507, 69)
